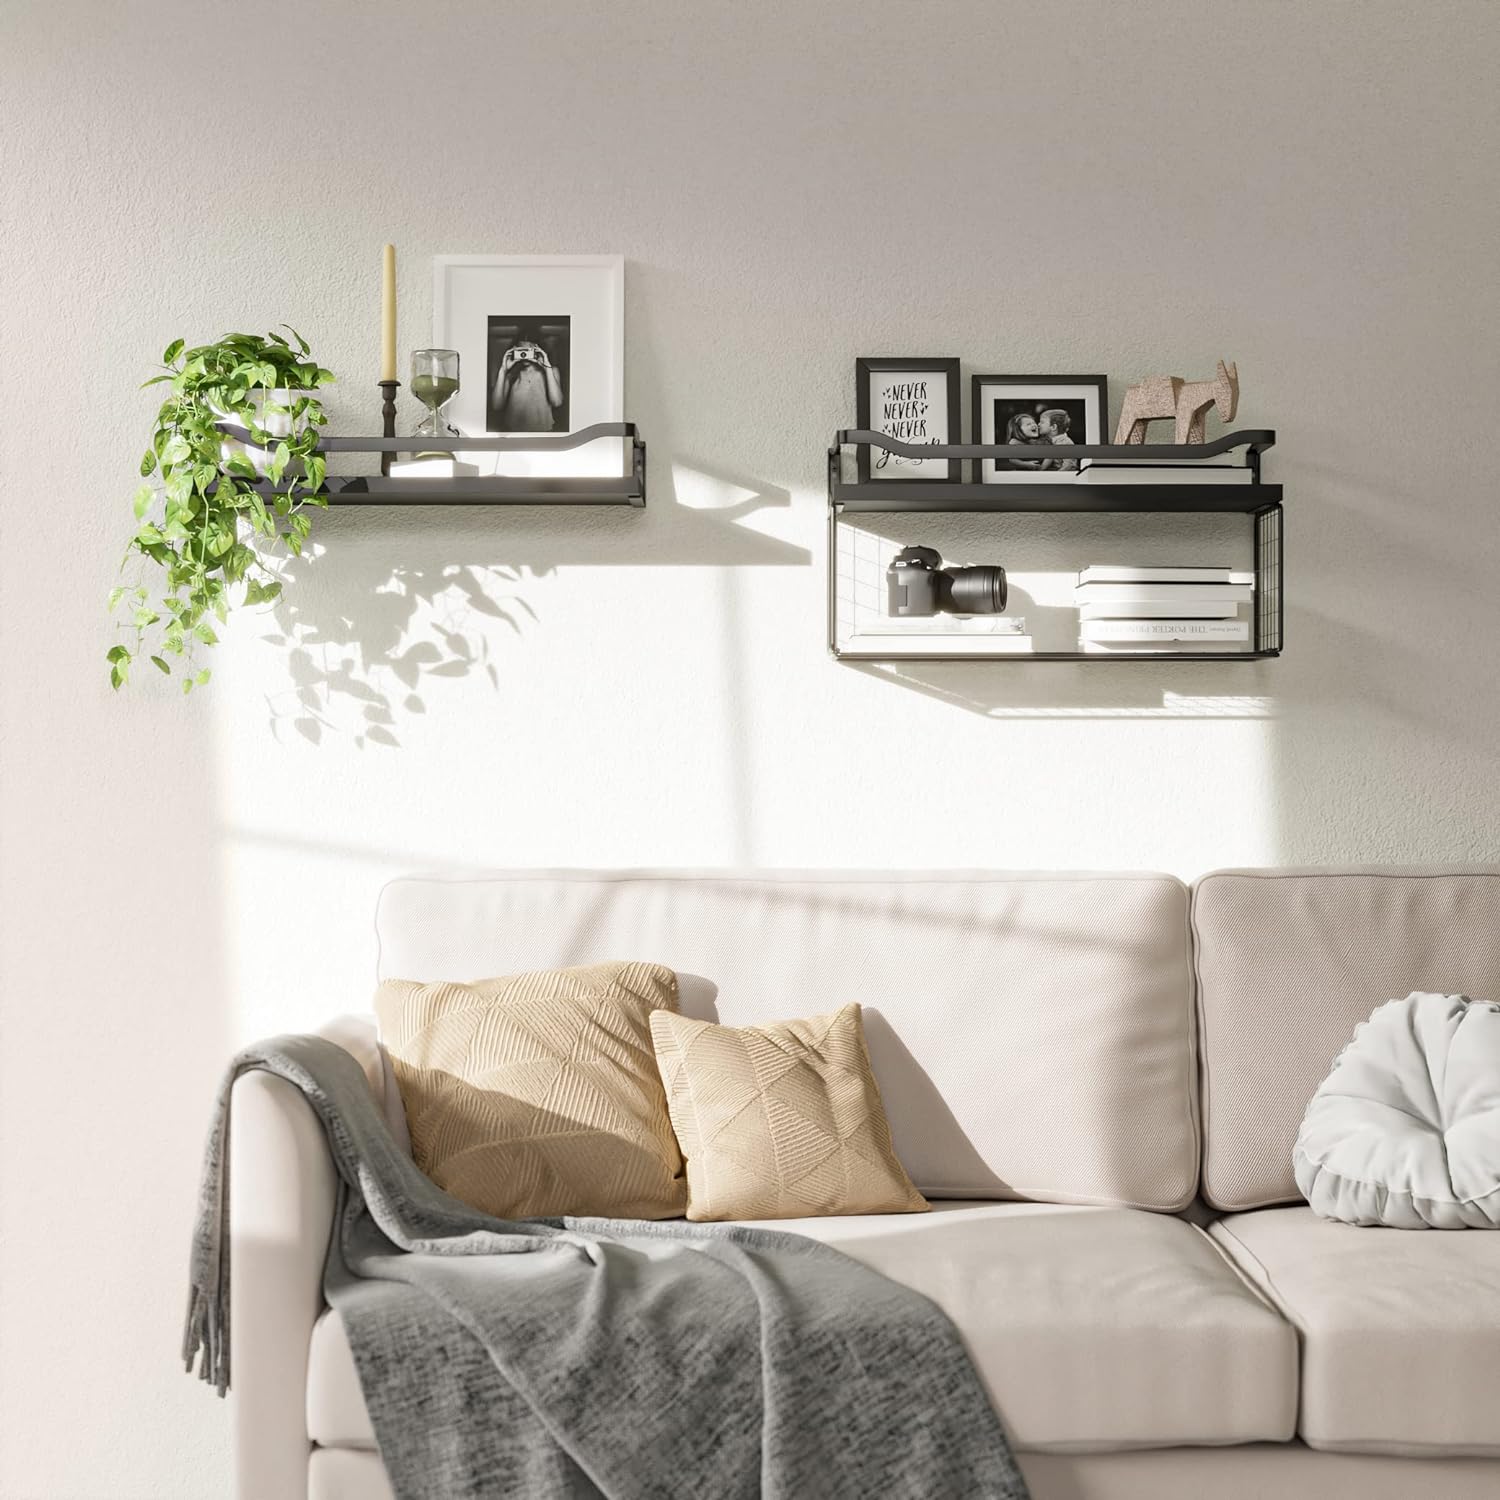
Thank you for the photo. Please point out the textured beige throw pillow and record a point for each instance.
(537, 1094)
(780, 1122)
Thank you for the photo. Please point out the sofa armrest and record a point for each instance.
(281, 1200)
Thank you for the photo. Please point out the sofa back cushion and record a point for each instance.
(1289, 962)
(1032, 1035)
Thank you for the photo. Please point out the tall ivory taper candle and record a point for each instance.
(388, 314)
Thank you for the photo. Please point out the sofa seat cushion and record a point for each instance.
(1400, 1329)
(1093, 1329)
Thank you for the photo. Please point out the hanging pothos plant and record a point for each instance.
(189, 527)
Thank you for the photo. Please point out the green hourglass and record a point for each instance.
(434, 382)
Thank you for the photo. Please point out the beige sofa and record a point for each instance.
(1097, 1080)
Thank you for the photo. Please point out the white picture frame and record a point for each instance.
(569, 307)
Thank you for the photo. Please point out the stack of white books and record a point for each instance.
(944, 635)
(1164, 608)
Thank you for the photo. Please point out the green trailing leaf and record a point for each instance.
(200, 493)
(257, 592)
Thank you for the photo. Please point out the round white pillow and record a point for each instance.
(1405, 1131)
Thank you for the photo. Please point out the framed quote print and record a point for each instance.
(915, 400)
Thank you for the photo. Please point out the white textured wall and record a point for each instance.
(1307, 188)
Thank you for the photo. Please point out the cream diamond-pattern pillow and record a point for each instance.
(538, 1094)
(780, 1122)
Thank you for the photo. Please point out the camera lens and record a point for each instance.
(977, 591)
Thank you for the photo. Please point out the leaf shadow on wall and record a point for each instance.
(362, 637)
(389, 602)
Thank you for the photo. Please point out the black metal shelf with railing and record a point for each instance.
(1083, 493)
(490, 489)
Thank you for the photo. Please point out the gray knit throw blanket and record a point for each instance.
(600, 1357)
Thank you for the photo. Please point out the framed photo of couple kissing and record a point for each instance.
(916, 401)
(1041, 416)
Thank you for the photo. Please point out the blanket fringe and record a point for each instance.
(201, 1338)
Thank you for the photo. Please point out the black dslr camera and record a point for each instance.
(917, 583)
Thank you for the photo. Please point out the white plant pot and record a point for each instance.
(279, 424)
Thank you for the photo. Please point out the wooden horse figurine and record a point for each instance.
(1159, 397)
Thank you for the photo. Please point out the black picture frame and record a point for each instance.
(983, 388)
(867, 366)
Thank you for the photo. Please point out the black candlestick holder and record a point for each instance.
(388, 389)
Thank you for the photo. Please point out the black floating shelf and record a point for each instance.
(1045, 499)
(895, 496)
(499, 489)
(1245, 495)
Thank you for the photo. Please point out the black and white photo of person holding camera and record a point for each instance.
(527, 388)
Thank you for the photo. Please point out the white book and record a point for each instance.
(1164, 630)
(1141, 471)
(1201, 609)
(1156, 648)
(1164, 593)
(1162, 573)
(939, 645)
